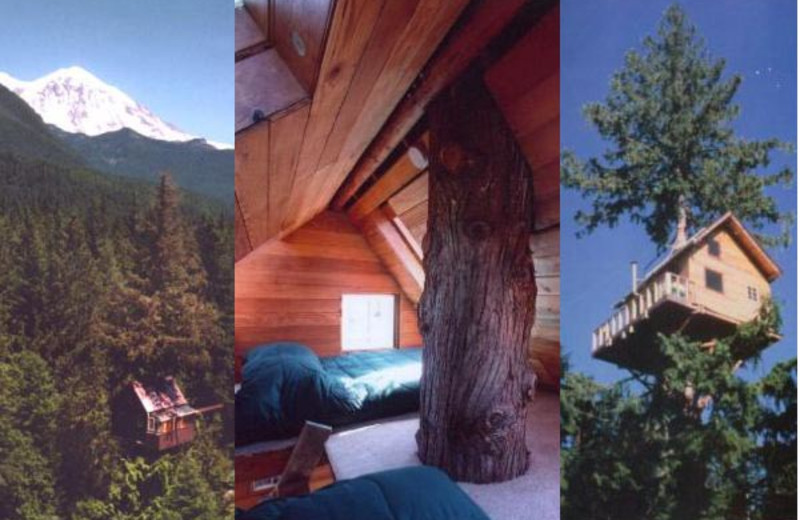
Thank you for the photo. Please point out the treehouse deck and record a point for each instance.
(666, 305)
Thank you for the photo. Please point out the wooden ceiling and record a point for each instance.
(368, 53)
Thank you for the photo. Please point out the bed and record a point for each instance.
(285, 384)
(419, 493)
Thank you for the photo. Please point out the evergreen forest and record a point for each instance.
(103, 281)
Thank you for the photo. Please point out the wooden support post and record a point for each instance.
(478, 305)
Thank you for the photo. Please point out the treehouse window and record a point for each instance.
(714, 280)
(713, 247)
(368, 321)
(752, 293)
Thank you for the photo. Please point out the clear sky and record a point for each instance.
(174, 56)
(758, 41)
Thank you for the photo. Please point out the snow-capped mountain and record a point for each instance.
(76, 101)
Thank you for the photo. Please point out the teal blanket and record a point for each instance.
(286, 384)
(415, 493)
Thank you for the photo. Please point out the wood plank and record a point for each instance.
(252, 182)
(545, 244)
(285, 141)
(388, 29)
(242, 245)
(308, 20)
(417, 216)
(482, 24)
(248, 35)
(540, 46)
(401, 173)
(264, 87)
(412, 195)
(259, 10)
(541, 146)
(538, 106)
(395, 254)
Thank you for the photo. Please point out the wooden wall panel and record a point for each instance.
(284, 148)
(248, 35)
(398, 257)
(738, 273)
(309, 20)
(252, 180)
(241, 241)
(291, 289)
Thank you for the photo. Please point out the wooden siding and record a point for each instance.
(738, 273)
(291, 289)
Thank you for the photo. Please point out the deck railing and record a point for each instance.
(637, 307)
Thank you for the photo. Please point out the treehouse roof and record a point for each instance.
(162, 396)
(760, 258)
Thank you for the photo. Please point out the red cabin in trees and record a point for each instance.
(156, 416)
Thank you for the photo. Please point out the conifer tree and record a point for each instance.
(692, 439)
(673, 161)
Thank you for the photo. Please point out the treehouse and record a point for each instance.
(359, 122)
(703, 289)
(156, 416)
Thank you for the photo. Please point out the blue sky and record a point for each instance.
(758, 41)
(175, 57)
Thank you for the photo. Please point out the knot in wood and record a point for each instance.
(478, 230)
(452, 157)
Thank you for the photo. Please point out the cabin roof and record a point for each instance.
(162, 396)
(768, 268)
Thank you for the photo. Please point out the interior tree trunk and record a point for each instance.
(477, 308)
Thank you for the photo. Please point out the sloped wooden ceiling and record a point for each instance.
(289, 167)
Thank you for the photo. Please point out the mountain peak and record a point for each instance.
(76, 101)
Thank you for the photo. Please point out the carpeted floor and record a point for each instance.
(533, 496)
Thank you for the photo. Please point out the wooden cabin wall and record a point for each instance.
(738, 272)
(525, 84)
(291, 288)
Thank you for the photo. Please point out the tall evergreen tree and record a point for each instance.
(691, 439)
(673, 161)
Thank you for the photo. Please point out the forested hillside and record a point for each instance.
(22, 132)
(194, 165)
(102, 281)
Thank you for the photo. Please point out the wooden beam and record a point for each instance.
(481, 25)
(395, 253)
(401, 173)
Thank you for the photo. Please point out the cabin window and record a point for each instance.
(151, 424)
(752, 293)
(714, 280)
(713, 247)
(368, 321)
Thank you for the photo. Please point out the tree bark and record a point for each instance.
(477, 308)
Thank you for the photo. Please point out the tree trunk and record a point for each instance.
(477, 309)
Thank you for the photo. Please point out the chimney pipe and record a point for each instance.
(634, 276)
